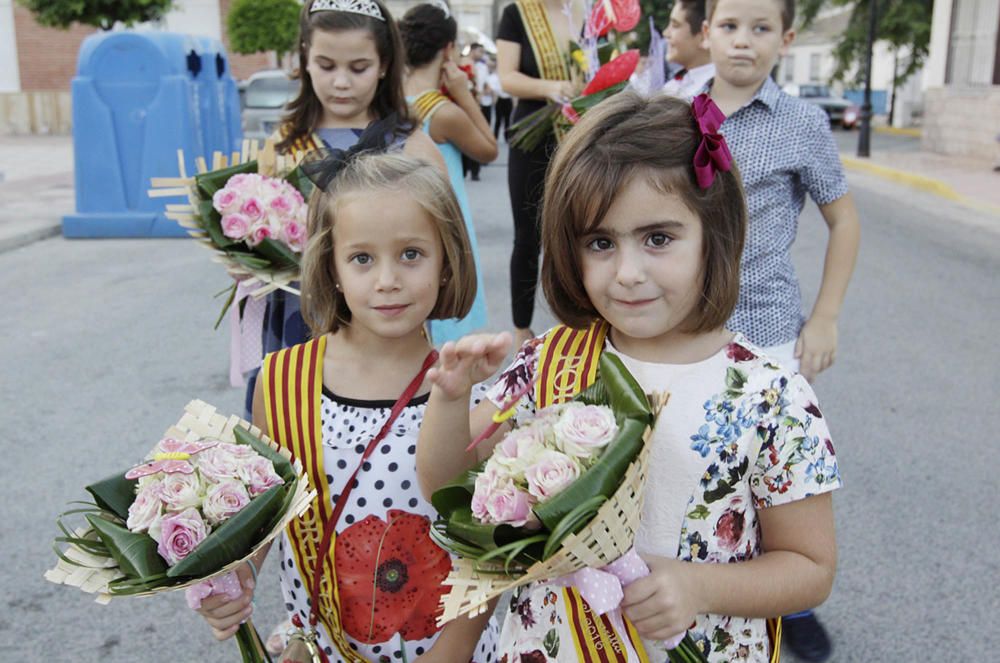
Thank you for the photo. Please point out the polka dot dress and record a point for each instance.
(387, 481)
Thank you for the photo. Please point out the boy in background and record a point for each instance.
(784, 150)
(687, 49)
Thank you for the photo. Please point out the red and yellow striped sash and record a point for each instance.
(568, 362)
(549, 57)
(426, 103)
(595, 637)
(293, 384)
(567, 365)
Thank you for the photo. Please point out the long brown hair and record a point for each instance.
(629, 136)
(305, 111)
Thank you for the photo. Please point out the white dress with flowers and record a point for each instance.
(739, 434)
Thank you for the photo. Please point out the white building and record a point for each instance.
(810, 60)
(962, 79)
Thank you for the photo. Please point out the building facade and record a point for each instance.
(810, 60)
(962, 79)
(37, 63)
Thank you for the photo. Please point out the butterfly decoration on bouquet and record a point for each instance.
(172, 457)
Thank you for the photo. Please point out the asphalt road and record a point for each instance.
(107, 340)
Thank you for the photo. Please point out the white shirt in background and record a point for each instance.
(690, 83)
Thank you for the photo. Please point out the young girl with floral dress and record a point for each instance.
(641, 258)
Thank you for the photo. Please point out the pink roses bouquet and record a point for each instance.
(559, 499)
(254, 223)
(210, 494)
(255, 208)
(538, 461)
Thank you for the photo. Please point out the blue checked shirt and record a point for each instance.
(784, 149)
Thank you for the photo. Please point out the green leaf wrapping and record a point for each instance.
(602, 478)
(282, 465)
(211, 222)
(210, 182)
(234, 538)
(297, 178)
(135, 553)
(280, 255)
(114, 494)
(455, 495)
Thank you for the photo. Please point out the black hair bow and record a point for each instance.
(323, 165)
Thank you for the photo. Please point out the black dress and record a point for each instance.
(525, 181)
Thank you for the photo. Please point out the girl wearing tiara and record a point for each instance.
(351, 65)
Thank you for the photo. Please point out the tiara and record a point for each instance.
(442, 5)
(364, 7)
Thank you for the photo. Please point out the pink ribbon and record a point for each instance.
(245, 344)
(712, 154)
(227, 585)
(603, 589)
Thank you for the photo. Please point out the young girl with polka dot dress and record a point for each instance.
(388, 250)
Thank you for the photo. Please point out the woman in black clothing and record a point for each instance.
(532, 42)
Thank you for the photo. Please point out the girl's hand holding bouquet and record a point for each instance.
(557, 500)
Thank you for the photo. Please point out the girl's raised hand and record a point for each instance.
(468, 361)
(455, 80)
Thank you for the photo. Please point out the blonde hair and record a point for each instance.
(323, 306)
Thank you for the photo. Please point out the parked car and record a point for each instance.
(840, 111)
(263, 97)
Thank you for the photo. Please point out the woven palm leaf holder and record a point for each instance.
(200, 421)
(186, 214)
(608, 536)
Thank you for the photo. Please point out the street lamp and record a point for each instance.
(864, 138)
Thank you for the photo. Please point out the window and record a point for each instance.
(973, 46)
(814, 63)
(788, 69)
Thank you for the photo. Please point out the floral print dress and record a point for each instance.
(389, 570)
(739, 434)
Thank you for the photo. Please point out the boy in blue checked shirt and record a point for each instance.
(784, 149)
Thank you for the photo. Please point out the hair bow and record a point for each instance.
(712, 154)
(323, 165)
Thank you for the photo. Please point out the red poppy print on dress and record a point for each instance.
(389, 578)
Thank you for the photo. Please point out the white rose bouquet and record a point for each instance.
(558, 500)
(211, 493)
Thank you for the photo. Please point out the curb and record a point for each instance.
(921, 182)
(17, 240)
(914, 132)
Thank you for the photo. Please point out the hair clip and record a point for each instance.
(712, 154)
(363, 7)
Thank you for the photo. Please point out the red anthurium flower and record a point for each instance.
(622, 15)
(389, 577)
(614, 72)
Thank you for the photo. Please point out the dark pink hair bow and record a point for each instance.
(712, 154)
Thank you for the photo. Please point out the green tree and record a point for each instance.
(660, 11)
(101, 14)
(902, 24)
(255, 26)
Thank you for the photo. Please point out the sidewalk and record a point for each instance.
(970, 182)
(36, 187)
